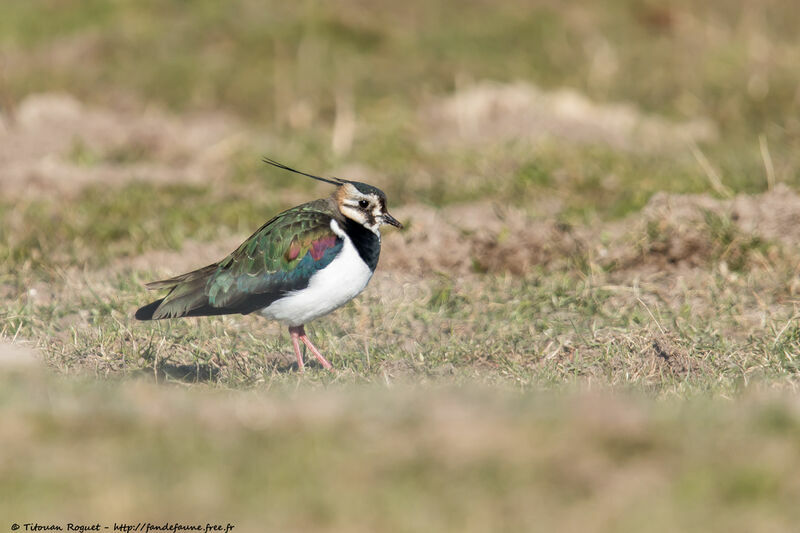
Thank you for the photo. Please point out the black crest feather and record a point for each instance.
(334, 181)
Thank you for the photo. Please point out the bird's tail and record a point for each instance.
(187, 297)
(146, 312)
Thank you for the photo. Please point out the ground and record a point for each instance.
(589, 321)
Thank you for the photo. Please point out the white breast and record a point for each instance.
(330, 288)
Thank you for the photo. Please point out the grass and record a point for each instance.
(102, 224)
(569, 354)
(441, 460)
(536, 332)
(182, 57)
(272, 64)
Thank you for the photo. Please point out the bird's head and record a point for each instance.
(364, 204)
(359, 202)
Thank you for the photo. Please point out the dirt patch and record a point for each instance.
(495, 112)
(691, 230)
(672, 232)
(675, 232)
(56, 145)
(479, 237)
(667, 351)
(774, 215)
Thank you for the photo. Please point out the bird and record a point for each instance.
(300, 265)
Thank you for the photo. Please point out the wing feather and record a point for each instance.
(281, 256)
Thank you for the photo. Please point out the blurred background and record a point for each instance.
(588, 324)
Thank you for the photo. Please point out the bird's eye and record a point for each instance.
(363, 204)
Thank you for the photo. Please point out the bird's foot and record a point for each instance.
(298, 333)
(295, 334)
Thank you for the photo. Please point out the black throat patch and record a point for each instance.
(367, 243)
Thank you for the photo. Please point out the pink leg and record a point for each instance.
(303, 337)
(295, 333)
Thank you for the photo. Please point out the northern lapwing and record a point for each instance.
(301, 265)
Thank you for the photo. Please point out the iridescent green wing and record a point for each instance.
(279, 257)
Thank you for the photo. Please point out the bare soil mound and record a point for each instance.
(672, 230)
(495, 112)
(480, 237)
(56, 145)
(692, 229)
